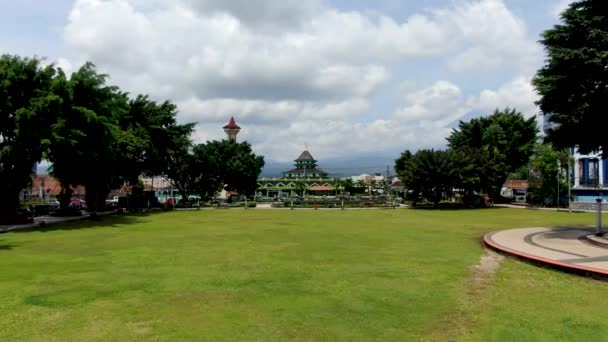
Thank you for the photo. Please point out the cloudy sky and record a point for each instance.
(345, 77)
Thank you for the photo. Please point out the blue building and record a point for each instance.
(589, 177)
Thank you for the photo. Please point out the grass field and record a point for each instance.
(289, 275)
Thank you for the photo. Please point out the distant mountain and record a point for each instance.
(274, 169)
(339, 167)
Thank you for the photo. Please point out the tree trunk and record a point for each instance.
(436, 198)
(184, 195)
(65, 197)
(96, 197)
(9, 201)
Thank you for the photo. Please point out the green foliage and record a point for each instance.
(26, 108)
(348, 184)
(101, 139)
(573, 83)
(546, 164)
(431, 173)
(153, 135)
(87, 146)
(94, 135)
(213, 166)
(236, 166)
(483, 152)
(494, 147)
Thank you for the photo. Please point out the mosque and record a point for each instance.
(305, 178)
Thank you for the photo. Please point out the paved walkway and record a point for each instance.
(573, 248)
(46, 220)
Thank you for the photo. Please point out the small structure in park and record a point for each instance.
(232, 129)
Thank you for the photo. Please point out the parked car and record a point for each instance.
(44, 209)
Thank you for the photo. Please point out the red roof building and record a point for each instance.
(46, 187)
(516, 184)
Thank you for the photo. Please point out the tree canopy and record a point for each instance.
(97, 136)
(210, 167)
(497, 144)
(482, 153)
(573, 83)
(545, 167)
(430, 173)
(26, 107)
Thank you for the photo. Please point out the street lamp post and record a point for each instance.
(558, 172)
(599, 217)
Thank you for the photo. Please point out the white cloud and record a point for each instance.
(492, 35)
(518, 93)
(432, 109)
(296, 72)
(442, 103)
(271, 112)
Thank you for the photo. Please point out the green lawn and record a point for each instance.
(289, 275)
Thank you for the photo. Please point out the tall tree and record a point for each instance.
(348, 184)
(498, 144)
(213, 166)
(26, 107)
(152, 135)
(182, 170)
(87, 145)
(238, 166)
(207, 180)
(430, 173)
(546, 165)
(401, 162)
(573, 83)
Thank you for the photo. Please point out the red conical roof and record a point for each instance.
(232, 124)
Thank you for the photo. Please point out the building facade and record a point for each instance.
(305, 167)
(305, 178)
(589, 177)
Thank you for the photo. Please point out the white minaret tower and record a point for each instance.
(232, 129)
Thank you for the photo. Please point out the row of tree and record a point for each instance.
(209, 167)
(97, 136)
(481, 154)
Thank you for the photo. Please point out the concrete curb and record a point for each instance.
(487, 239)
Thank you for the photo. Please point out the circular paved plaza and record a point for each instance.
(573, 248)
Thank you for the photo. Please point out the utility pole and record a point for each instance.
(386, 184)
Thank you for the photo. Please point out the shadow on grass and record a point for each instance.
(453, 207)
(90, 222)
(7, 247)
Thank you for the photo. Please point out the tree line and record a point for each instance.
(97, 136)
(481, 154)
(573, 89)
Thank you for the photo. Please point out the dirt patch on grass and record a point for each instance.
(484, 273)
(459, 320)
